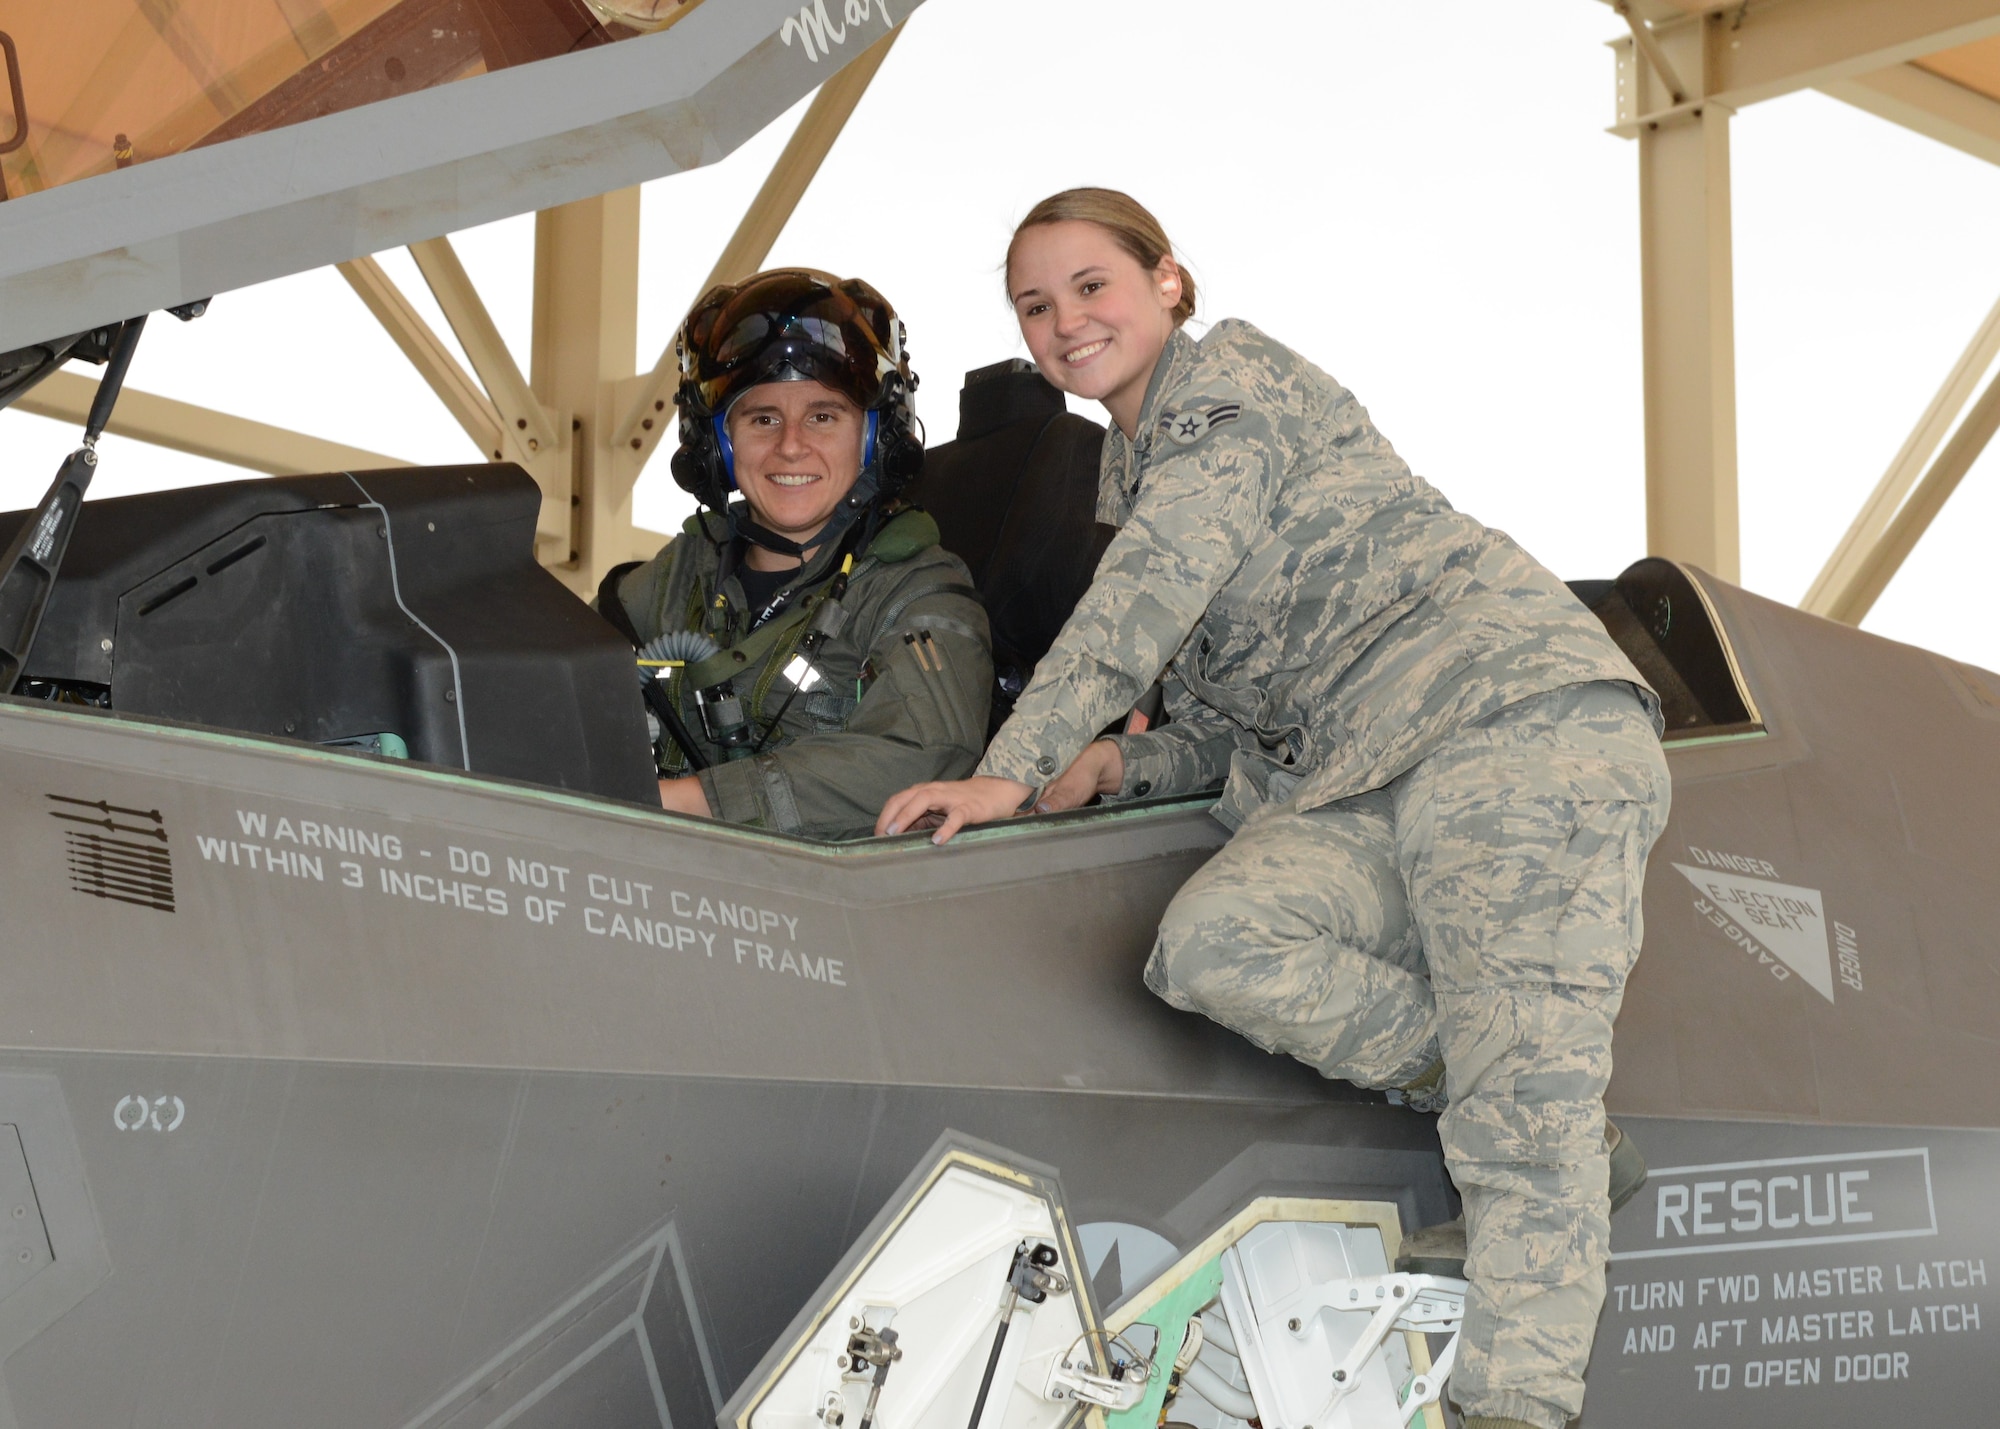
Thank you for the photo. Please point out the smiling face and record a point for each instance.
(1094, 319)
(798, 453)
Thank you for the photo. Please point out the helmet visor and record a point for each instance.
(839, 333)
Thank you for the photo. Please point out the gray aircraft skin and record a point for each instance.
(419, 1099)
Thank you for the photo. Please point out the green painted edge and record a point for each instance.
(1701, 741)
(1171, 1312)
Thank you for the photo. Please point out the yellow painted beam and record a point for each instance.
(521, 416)
(1736, 54)
(427, 353)
(1877, 566)
(1937, 108)
(1689, 343)
(586, 338)
(1832, 590)
(199, 431)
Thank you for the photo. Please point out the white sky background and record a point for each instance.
(1418, 194)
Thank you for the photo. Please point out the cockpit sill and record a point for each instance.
(14, 707)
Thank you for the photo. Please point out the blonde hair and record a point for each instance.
(1123, 217)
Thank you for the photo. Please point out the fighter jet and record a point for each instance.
(375, 1055)
(372, 1052)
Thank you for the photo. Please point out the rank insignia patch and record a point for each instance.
(1187, 428)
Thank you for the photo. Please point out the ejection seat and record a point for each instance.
(1015, 498)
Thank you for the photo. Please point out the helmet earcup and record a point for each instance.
(902, 457)
(700, 467)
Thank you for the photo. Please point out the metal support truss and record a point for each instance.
(1680, 77)
(529, 438)
(1917, 99)
(586, 337)
(1902, 507)
(521, 417)
(1688, 315)
(1642, 37)
(198, 431)
(461, 396)
(1737, 53)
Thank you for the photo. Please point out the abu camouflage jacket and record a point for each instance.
(1322, 617)
(904, 690)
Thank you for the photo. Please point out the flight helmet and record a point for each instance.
(795, 324)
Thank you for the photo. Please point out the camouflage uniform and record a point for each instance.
(1446, 779)
(907, 679)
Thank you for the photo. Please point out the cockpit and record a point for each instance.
(401, 615)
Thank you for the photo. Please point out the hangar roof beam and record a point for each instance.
(1873, 565)
(1834, 591)
(432, 359)
(1740, 53)
(521, 416)
(200, 431)
(1914, 97)
(1642, 36)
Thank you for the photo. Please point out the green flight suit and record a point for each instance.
(904, 689)
(1446, 777)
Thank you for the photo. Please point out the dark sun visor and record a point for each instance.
(839, 332)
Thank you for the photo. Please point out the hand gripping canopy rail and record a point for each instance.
(966, 1305)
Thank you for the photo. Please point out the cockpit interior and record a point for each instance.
(400, 614)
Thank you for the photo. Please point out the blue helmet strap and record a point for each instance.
(728, 451)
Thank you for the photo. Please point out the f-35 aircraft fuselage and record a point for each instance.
(342, 1090)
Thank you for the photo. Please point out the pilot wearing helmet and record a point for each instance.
(808, 647)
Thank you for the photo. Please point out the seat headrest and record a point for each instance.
(1003, 394)
(1015, 498)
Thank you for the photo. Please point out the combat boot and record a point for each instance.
(1440, 1249)
(1628, 1166)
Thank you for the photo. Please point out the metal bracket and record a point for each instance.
(1430, 1304)
(1071, 1381)
(1649, 46)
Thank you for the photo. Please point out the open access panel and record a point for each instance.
(966, 1305)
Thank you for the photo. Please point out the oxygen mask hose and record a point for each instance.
(677, 647)
(657, 657)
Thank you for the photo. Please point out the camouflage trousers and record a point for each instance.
(1485, 906)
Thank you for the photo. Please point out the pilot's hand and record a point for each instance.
(685, 796)
(978, 800)
(1100, 769)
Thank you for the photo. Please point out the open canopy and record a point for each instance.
(168, 152)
